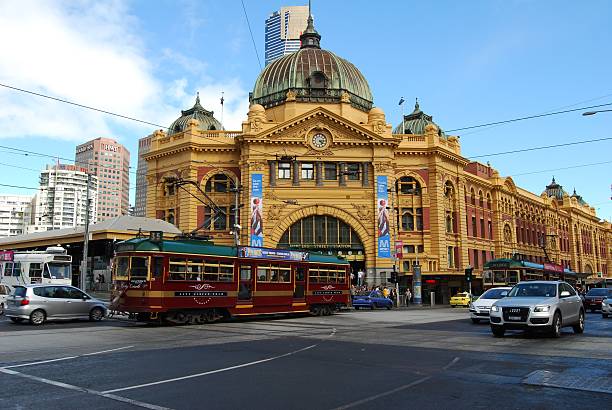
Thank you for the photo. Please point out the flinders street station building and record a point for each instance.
(317, 166)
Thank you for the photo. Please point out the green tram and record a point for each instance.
(193, 281)
(509, 272)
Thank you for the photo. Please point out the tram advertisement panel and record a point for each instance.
(256, 210)
(282, 254)
(382, 201)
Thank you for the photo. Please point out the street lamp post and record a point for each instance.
(594, 112)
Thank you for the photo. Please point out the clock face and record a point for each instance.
(319, 140)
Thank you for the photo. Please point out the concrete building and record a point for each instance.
(283, 30)
(61, 200)
(109, 161)
(14, 209)
(140, 207)
(320, 168)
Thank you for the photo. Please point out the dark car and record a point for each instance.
(372, 300)
(594, 297)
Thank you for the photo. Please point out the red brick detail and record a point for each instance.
(426, 219)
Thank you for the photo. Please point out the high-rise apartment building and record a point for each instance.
(109, 161)
(283, 30)
(61, 200)
(14, 209)
(140, 207)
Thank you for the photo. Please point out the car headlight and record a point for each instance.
(541, 309)
(494, 308)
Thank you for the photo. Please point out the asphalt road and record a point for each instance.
(419, 358)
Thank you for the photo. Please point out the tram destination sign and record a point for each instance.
(201, 293)
(326, 292)
(266, 253)
(7, 256)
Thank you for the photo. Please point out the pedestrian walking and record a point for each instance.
(408, 296)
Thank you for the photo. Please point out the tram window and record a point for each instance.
(226, 273)
(262, 273)
(36, 270)
(158, 267)
(512, 277)
(122, 265)
(17, 269)
(8, 269)
(139, 267)
(245, 273)
(285, 275)
(500, 276)
(195, 269)
(273, 274)
(178, 268)
(487, 276)
(299, 274)
(313, 275)
(211, 271)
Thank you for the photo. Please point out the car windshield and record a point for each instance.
(59, 270)
(494, 294)
(598, 292)
(548, 290)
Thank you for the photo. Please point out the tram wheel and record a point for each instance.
(210, 315)
(316, 310)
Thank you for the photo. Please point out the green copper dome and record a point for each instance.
(312, 75)
(416, 122)
(206, 120)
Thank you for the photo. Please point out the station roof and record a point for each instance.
(119, 228)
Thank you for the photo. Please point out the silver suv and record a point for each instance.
(543, 305)
(38, 303)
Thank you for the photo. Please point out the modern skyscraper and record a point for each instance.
(61, 200)
(13, 211)
(283, 29)
(109, 161)
(140, 208)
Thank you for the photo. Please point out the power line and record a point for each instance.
(561, 169)
(251, 31)
(527, 118)
(541, 148)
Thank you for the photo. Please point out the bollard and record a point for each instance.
(432, 297)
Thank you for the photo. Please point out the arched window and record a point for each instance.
(489, 204)
(480, 199)
(219, 183)
(449, 190)
(473, 196)
(408, 186)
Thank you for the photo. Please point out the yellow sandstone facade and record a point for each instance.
(318, 145)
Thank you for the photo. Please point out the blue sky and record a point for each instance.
(468, 62)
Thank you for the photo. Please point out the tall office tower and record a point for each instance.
(140, 208)
(14, 209)
(110, 162)
(283, 30)
(61, 200)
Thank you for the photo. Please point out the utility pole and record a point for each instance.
(395, 270)
(236, 227)
(86, 239)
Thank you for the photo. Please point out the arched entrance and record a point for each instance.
(329, 235)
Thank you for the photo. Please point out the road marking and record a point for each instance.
(191, 376)
(106, 351)
(378, 396)
(455, 360)
(64, 358)
(41, 362)
(84, 390)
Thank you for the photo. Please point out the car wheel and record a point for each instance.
(579, 327)
(37, 317)
(592, 310)
(388, 307)
(556, 325)
(475, 321)
(96, 314)
(356, 307)
(604, 315)
(373, 306)
(16, 320)
(1, 309)
(498, 331)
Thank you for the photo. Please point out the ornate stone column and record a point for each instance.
(296, 172)
(319, 173)
(341, 176)
(272, 165)
(365, 174)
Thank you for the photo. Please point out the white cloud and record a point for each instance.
(90, 52)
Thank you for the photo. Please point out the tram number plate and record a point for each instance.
(515, 318)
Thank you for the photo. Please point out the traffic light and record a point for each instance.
(468, 273)
(393, 278)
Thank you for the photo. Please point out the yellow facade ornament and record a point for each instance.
(291, 95)
(345, 97)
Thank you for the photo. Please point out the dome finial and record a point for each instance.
(553, 181)
(416, 105)
(310, 38)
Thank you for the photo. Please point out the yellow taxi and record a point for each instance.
(461, 299)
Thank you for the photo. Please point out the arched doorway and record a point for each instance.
(329, 235)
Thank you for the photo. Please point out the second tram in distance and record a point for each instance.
(192, 281)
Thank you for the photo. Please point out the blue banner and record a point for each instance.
(382, 202)
(256, 210)
(265, 253)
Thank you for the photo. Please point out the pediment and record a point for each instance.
(339, 129)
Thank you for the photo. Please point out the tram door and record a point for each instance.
(245, 290)
(299, 283)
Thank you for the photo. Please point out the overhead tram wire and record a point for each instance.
(246, 16)
(295, 152)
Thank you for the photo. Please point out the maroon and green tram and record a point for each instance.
(192, 281)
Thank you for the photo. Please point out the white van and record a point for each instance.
(52, 266)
